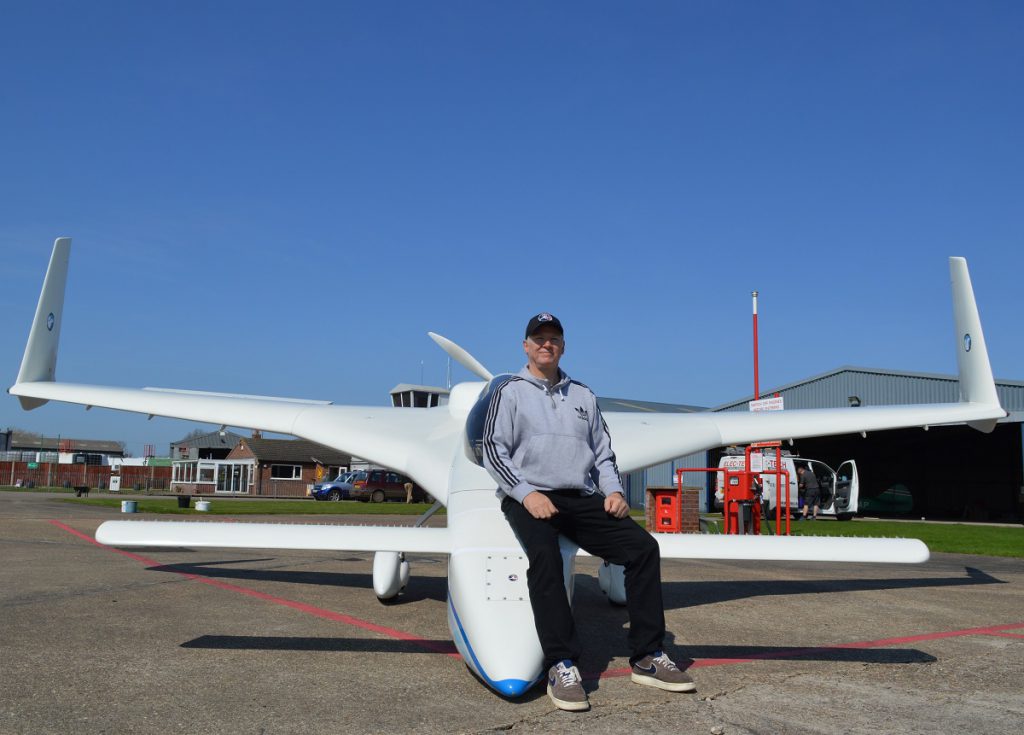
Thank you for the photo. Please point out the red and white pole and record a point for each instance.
(757, 393)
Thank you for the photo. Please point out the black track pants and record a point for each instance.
(618, 540)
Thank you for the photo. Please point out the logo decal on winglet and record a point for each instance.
(967, 343)
(49, 322)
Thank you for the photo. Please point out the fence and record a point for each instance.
(51, 474)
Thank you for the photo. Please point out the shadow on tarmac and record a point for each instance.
(445, 647)
(419, 588)
(350, 645)
(679, 595)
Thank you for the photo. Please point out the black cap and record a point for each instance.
(544, 319)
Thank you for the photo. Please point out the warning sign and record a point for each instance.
(767, 404)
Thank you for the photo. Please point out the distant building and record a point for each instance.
(282, 468)
(23, 446)
(406, 395)
(289, 467)
(212, 445)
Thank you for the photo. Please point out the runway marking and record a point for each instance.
(448, 649)
(431, 646)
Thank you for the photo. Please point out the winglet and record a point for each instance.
(39, 363)
(976, 382)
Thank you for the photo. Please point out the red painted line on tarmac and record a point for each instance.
(996, 630)
(319, 612)
(1008, 635)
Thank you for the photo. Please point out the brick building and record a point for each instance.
(279, 468)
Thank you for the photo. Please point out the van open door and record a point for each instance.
(847, 490)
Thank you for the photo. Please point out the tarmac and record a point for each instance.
(101, 640)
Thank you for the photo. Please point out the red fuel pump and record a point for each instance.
(742, 507)
(742, 488)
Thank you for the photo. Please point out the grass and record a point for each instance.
(953, 538)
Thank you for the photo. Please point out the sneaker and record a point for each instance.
(565, 687)
(658, 670)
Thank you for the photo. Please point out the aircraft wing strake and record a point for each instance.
(300, 536)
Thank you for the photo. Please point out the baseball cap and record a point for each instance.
(544, 319)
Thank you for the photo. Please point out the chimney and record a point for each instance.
(257, 434)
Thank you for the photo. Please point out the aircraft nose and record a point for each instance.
(512, 687)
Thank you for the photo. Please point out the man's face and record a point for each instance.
(544, 348)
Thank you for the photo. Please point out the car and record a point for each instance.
(379, 485)
(337, 489)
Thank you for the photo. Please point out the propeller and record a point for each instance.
(461, 356)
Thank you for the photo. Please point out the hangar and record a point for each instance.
(951, 472)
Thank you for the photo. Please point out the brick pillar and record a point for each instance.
(649, 512)
(689, 510)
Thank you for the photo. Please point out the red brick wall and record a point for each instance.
(688, 505)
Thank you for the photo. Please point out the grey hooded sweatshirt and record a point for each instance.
(545, 437)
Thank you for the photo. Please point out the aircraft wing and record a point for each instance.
(641, 440)
(419, 443)
(644, 439)
(791, 548)
(304, 536)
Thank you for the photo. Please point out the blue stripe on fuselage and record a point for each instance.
(506, 687)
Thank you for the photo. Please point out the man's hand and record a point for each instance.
(616, 506)
(539, 506)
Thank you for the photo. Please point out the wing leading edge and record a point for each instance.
(299, 536)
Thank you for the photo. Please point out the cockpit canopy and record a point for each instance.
(477, 418)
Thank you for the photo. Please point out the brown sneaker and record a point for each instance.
(565, 687)
(658, 670)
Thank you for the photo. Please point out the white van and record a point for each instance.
(839, 488)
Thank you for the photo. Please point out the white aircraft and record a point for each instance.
(489, 612)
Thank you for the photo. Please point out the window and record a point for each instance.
(286, 472)
(183, 471)
(206, 471)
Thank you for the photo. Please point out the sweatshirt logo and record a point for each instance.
(581, 413)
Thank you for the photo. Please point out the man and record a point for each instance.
(548, 448)
(808, 484)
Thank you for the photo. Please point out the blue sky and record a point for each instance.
(283, 198)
